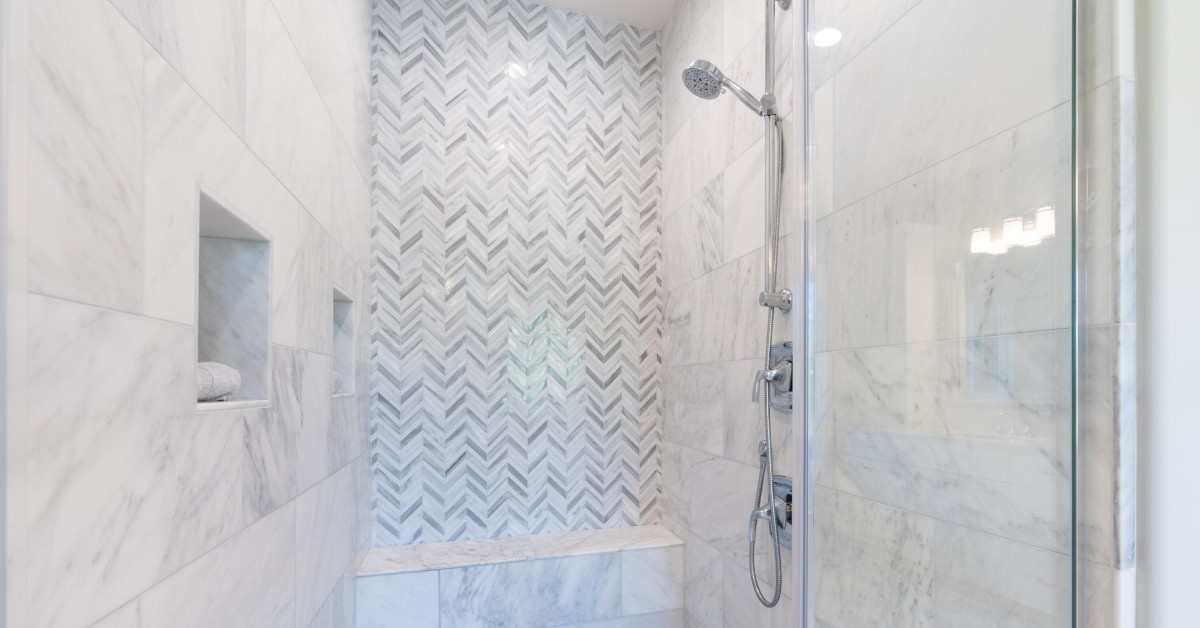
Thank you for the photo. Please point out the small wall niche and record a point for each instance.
(234, 299)
(343, 344)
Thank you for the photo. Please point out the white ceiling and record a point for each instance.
(650, 14)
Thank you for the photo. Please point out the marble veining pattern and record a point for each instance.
(230, 516)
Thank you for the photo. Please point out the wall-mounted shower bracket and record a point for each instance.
(781, 299)
(784, 4)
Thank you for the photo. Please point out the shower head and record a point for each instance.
(705, 80)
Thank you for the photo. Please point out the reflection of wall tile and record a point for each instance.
(945, 110)
(889, 577)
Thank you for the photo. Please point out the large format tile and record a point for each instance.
(169, 483)
(287, 124)
(982, 580)
(897, 266)
(316, 30)
(394, 600)
(667, 619)
(204, 41)
(554, 591)
(693, 237)
(325, 527)
(693, 406)
(300, 383)
(85, 155)
(651, 580)
(102, 517)
(190, 150)
(247, 581)
(888, 578)
(927, 64)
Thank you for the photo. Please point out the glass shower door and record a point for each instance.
(940, 397)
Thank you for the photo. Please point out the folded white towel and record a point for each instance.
(216, 381)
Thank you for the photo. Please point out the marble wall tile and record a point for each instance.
(722, 492)
(313, 271)
(743, 205)
(694, 403)
(740, 605)
(190, 150)
(860, 23)
(668, 619)
(316, 30)
(702, 585)
(945, 111)
(652, 580)
(887, 580)
(746, 68)
(324, 547)
(302, 401)
(205, 42)
(742, 21)
(398, 599)
(556, 591)
(110, 359)
(287, 124)
(677, 169)
(982, 580)
(248, 581)
(338, 609)
(693, 237)
(85, 155)
(897, 267)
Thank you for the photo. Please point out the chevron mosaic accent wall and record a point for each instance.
(516, 268)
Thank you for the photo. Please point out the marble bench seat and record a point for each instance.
(611, 578)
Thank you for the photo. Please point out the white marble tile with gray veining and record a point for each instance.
(204, 42)
(324, 547)
(651, 580)
(693, 237)
(982, 580)
(247, 581)
(85, 155)
(931, 56)
(388, 601)
(887, 580)
(554, 591)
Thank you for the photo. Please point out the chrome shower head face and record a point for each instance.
(706, 81)
(703, 79)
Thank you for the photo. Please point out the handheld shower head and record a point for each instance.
(705, 80)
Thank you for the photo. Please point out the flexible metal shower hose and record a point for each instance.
(766, 465)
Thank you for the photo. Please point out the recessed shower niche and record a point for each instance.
(343, 344)
(233, 307)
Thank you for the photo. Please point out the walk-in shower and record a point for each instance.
(706, 81)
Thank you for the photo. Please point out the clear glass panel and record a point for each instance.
(940, 413)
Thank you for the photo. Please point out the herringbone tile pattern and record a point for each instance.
(516, 269)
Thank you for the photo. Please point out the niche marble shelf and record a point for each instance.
(233, 301)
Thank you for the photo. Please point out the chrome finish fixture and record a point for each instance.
(781, 299)
(782, 488)
(705, 79)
